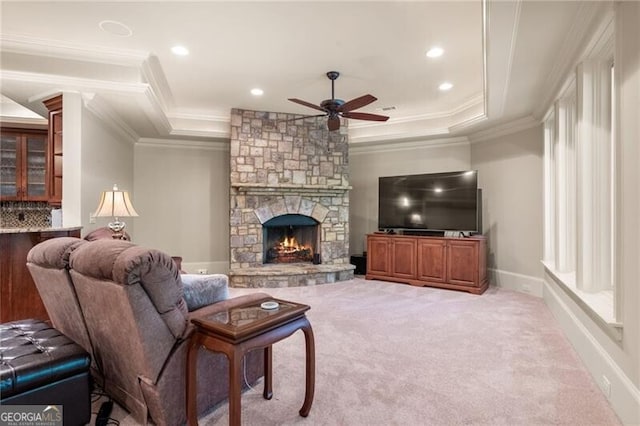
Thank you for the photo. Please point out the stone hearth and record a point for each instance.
(282, 167)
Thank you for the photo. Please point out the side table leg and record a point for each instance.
(192, 400)
(268, 375)
(235, 386)
(311, 369)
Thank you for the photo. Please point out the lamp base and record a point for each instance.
(116, 226)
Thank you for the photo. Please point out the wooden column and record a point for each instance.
(54, 105)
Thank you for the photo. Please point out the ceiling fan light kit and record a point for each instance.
(334, 108)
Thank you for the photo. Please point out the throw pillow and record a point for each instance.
(203, 290)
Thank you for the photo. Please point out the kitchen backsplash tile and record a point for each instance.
(19, 214)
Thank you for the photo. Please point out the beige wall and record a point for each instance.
(510, 175)
(182, 195)
(105, 157)
(367, 165)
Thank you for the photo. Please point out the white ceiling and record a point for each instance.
(504, 70)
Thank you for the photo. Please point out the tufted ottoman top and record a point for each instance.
(33, 354)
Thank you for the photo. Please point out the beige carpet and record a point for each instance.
(392, 354)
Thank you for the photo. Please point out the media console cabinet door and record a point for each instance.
(404, 258)
(378, 255)
(432, 260)
(463, 262)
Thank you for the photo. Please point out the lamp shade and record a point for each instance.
(115, 203)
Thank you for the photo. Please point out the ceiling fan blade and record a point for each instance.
(307, 104)
(365, 116)
(333, 123)
(357, 103)
(303, 117)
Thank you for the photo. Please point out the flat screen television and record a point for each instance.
(448, 201)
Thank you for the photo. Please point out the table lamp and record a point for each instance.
(116, 204)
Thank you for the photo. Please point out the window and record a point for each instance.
(579, 187)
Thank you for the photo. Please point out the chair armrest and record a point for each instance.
(203, 290)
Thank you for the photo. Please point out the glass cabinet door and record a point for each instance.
(36, 166)
(9, 161)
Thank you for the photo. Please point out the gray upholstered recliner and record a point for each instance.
(138, 322)
(48, 263)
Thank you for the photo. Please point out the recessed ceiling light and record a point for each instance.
(434, 52)
(180, 50)
(445, 86)
(115, 28)
(257, 92)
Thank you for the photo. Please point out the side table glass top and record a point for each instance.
(248, 319)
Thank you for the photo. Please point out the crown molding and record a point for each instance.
(64, 50)
(471, 121)
(602, 43)
(389, 146)
(74, 83)
(472, 102)
(485, 55)
(211, 145)
(152, 107)
(512, 53)
(200, 125)
(105, 113)
(9, 121)
(153, 74)
(504, 129)
(570, 53)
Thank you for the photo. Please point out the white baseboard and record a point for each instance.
(622, 393)
(516, 282)
(210, 267)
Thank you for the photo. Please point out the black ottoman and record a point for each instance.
(41, 366)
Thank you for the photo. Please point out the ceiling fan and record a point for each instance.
(336, 108)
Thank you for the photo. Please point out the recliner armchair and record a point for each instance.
(138, 323)
(48, 263)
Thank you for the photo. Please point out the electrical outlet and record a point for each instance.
(92, 218)
(203, 271)
(605, 385)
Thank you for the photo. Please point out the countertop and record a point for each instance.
(37, 229)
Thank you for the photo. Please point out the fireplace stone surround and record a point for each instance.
(280, 166)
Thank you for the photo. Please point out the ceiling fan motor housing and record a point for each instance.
(332, 104)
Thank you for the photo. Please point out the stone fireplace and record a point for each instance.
(289, 201)
(291, 238)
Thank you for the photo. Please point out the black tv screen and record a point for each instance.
(436, 201)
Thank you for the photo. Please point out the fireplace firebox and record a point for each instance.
(291, 238)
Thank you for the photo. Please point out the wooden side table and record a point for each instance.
(238, 330)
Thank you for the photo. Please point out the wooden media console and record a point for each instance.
(445, 262)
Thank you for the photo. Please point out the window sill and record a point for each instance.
(599, 306)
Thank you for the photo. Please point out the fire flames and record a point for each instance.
(290, 250)
(290, 245)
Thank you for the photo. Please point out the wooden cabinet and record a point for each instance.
(20, 297)
(403, 257)
(23, 165)
(432, 259)
(391, 257)
(378, 256)
(455, 263)
(54, 105)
